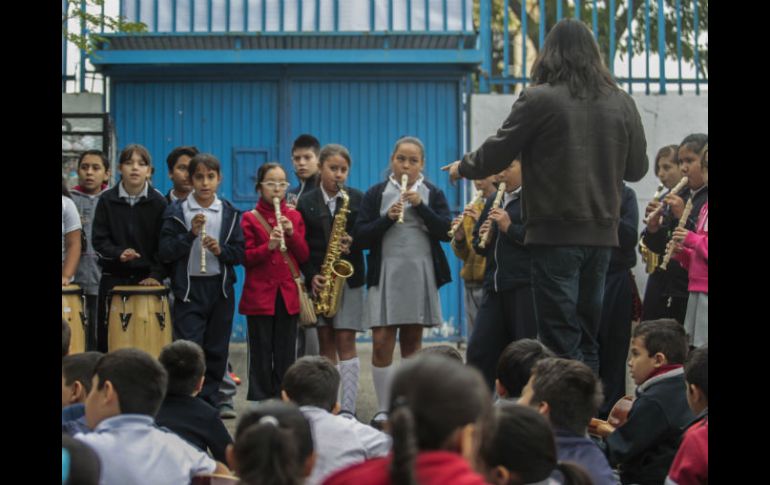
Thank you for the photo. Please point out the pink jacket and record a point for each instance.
(695, 254)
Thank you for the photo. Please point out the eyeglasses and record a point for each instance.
(275, 185)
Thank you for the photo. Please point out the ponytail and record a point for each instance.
(404, 446)
(574, 474)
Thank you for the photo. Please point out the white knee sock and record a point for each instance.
(381, 377)
(349, 371)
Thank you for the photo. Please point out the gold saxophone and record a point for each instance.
(335, 269)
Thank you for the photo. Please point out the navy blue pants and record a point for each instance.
(657, 303)
(207, 320)
(615, 337)
(568, 283)
(503, 317)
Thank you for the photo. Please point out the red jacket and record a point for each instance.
(691, 464)
(432, 468)
(266, 271)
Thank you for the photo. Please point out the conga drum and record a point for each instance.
(73, 303)
(138, 316)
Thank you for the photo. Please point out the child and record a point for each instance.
(127, 390)
(435, 424)
(204, 301)
(644, 447)
(270, 298)
(670, 301)
(692, 252)
(515, 367)
(273, 444)
(93, 174)
(443, 350)
(518, 447)
(569, 394)
(76, 373)
(319, 208)
(192, 419)
(312, 383)
(66, 336)
(690, 464)
(81, 466)
(125, 232)
(406, 264)
(507, 313)
(472, 272)
(178, 162)
(70, 236)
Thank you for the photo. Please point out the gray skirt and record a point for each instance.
(350, 315)
(696, 321)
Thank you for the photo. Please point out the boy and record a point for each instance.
(644, 447)
(691, 463)
(193, 419)
(93, 174)
(319, 208)
(127, 390)
(568, 393)
(178, 161)
(507, 313)
(125, 232)
(312, 382)
(76, 373)
(204, 297)
(515, 367)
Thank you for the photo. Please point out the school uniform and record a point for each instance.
(583, 451)
(473, 270)
(197, 422)
(204, 302)
(691, 463)
(694, 258)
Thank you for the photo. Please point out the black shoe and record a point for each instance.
(379, 424)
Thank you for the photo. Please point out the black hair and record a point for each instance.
(408, 139)
(177, 152)
(516, 361)
(138, 379)
(129, 150)
(521, 440)
(696, 369)
(695, 142)
(312, 381)
(570, 55)
(64, 190)
(84, 465)
(664, 335)
(704, 163)
(185, 364)
(272, 443)
(262, 172)
(206, 159)
(442, 350)
(80, 368)
(66, 335)
(306, 141)
(665, 152)
(333, 149)
(97, 153)
(570, 388)
(425, 409)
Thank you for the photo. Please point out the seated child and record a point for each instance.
(127, 389)
(644, 447)
(569, 394)
(691, 463)
(77, 370)
(80, 465)
(515, 367)
(193, 419)
(312, 383)
(66, 336)
(273, 444)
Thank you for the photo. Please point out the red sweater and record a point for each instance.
(691, 463)
(432, 468)
(266, 271)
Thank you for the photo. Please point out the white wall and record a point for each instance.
(667, 119)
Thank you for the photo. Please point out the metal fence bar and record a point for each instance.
(390, 15)
(227, 15)
(155, 14)
(137, 11)
(101, 18)
(336, 15)
(299, 15)
(245, 15)
(445, 16)
(524, 41)
(559, 10)
(595, 15)
(280, 16)
(612, 37)
(264, 15)
(318, 14)
(83, 32)
(485, 20)
(209, 16)
(506, 43)
(463, 28)
(427, 15)
(64, 45)
(408, 15)
(577, 9)
(662, 47)
(647, 45)
(173, 16)
(679, 41)
(543, 18)
(371, 15)
(630, 45)
(695, 46)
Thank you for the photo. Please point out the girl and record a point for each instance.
(70, 236)
(668, 168)
(518, 447)
(406, 263)
(270, 298)
(273, 445)
(435, 425)
(692, 252)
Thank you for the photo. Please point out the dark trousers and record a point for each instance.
(568, 284)
(92, 316)
(207, 319)
(615, 337)
(272, 350)
(107, 283)
(656, 302)
(503, 317)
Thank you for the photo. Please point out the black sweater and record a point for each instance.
(623, 257)
(197, 422)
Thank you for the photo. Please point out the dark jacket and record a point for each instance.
(371, 226)
(623, 257)
(176, 242)
(575, 155)
(645, 446)
(508, 261)
(318, 225)
(119, 226)
(307, 185)
(197, 422)
(584, 452)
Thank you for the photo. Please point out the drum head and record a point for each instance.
(71, 290)
(138, 290)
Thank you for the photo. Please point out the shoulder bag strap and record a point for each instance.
(286, 258)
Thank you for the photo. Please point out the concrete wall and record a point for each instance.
(667, 120)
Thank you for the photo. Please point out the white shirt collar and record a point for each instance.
(327, 197)
(215, 206)
(122, 192)
(416, 184)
